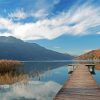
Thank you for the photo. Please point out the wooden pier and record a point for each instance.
(79, 86)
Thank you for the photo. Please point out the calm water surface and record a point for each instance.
(44, 80)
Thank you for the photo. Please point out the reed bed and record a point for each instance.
(9, 65)
(8, 78)
(9, 72)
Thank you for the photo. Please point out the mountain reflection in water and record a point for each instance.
(38, 80)
(42, 71)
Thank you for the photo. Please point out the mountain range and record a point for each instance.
(16, 49)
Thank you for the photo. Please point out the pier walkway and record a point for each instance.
(79, 86)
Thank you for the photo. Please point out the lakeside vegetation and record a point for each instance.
(9, 72)
(8, 66)
(8, 78)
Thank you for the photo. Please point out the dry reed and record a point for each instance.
(9, 72)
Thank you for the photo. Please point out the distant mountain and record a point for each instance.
(13, 48)
(92, 55)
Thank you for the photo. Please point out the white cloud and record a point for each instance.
(74, 22)
(21, 14)
(42, 13)
(40, 9)
(98, 32)
(18, 14)
(46, 4)
(35, 90)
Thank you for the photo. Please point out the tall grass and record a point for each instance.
(9, 72)
(8, 78)
(9, 65)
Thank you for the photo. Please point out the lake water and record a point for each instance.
(44, 80)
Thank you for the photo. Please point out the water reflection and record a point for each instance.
(42, 80)
(44, 71)
(39, 71)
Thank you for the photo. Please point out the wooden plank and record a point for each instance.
(81, 64)
(80, 86)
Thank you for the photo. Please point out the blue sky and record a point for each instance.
(72, 44)
(71, 26)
